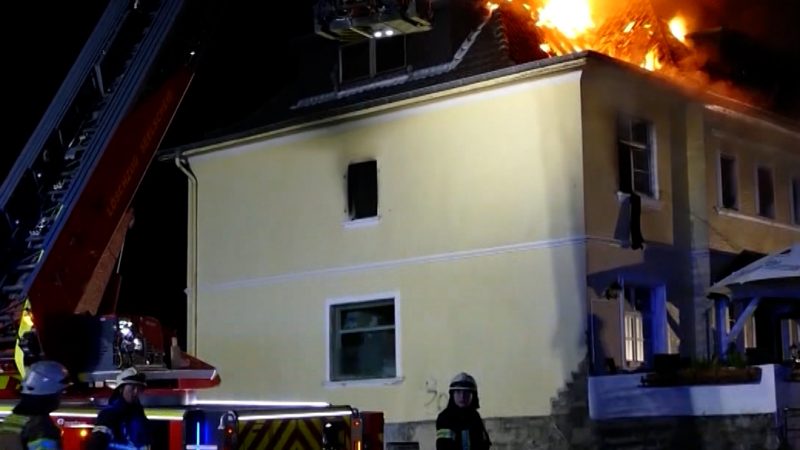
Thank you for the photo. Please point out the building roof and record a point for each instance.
(490, 47)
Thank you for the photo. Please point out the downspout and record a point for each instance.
(191, 258)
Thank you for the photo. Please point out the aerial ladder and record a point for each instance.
(64, 211)
(64, 206)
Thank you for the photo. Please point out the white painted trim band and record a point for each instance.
(749, 218)
(440, 257)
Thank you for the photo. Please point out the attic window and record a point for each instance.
(371, 57)
(362, 190)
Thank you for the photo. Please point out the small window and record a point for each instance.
(766, 193)
(362, 340)
(796, 200)
(362, 190)
(790, 338)
(636, 157)
(728, 182)
(634, 339)
(750, 333)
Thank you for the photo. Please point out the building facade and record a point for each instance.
(491, 228)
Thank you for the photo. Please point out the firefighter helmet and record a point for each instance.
(463, 382)
(45, 378)
(131, 376)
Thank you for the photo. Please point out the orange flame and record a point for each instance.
(651, 60)
(677, 26)
(572, 17)
(632, 33)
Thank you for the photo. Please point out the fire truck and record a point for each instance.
(65, 211)
(242, 425)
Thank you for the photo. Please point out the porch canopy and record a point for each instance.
(775, 275)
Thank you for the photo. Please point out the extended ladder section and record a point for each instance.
(52, 172)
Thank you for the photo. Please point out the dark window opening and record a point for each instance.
(634, 144)
(796, 201)
(390, 54)
(727, 168)
(766, 193)
(362, 190)
(355, 61)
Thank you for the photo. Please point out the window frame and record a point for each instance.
(758, 191)
(331, 306)
(633, 341)
(720, 182)
(628, 120)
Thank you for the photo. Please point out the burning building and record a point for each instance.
(521, 190)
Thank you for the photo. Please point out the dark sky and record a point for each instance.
(248, 58)
(245, 61)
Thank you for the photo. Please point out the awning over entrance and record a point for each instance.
(775, 275)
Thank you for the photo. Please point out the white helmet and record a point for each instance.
(131, 376)
(463, 382)
(45, 378)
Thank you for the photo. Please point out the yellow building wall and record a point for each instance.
(752, 144)
(608, 92)
(481, 235)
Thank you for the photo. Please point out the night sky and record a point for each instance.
(248, 58)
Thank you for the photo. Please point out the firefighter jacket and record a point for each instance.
(120, 426)
(34, 432)
(461, 429)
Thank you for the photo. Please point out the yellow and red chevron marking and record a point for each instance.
(285, 434)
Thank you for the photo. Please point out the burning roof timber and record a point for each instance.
(630, 31)
(633, 31)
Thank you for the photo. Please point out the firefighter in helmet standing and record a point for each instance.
(29, 426)
(459, 426)
(122, 425)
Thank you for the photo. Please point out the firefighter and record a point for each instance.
(460, 426)
(29, 426)
(122, 424)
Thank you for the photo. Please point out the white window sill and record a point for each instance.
(362, 223)
(364, 383)
(758, 219)
(647, 202)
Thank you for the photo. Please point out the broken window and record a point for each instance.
(636, 161)
(766, 193)
(362, 190)
(362, 340)
(728, 182)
